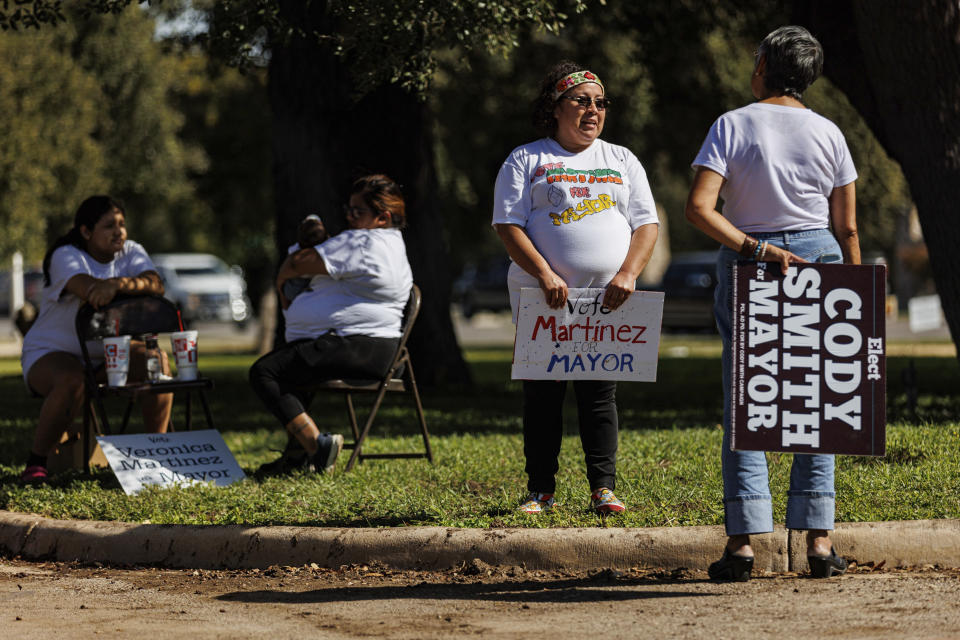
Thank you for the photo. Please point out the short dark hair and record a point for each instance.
(382, 194)
(544, 104)
(794, 59)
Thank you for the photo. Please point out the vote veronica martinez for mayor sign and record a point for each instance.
(809, 369)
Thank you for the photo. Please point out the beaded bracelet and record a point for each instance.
(763, 251)
(756, 250)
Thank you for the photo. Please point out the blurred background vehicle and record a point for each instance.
(688, 285)
(204, 287)
(482, 286)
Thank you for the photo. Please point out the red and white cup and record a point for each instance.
(184, 345)
(116, 354)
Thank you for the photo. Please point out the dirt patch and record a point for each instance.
(40, 599)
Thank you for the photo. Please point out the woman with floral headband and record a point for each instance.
(538, 216)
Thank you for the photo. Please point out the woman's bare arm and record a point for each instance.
(522, 251)
(99, 292)
(843, 217)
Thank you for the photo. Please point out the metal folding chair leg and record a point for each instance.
(420, 415)
(366, 427)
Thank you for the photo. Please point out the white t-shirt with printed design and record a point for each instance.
(780, 163)
(55, 328)
(579, 209)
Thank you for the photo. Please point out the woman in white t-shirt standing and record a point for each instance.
(572, 211)
(345, 324)
(785, 176)
(92, 263)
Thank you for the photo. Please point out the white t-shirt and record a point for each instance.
(55, 328)
(365, 292)
(781, 164)
(579, 209)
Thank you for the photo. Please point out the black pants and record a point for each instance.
(276, 376)
(543, 431)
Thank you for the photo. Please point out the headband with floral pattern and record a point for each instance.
(571, 80)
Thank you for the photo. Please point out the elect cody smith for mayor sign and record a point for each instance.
(809, 370)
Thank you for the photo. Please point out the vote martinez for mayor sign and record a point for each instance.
(584, 340)
(809, 368)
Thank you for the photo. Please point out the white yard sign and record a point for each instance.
(170, 459)
(586, 341)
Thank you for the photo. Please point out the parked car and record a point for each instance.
(483, 286)
(204, 286)
(688, 285)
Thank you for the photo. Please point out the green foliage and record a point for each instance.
(671, 69)
(30, 15)
(88, 111)
(383, 42)
(226, 119)
(51, 158)
(146, 162)
(98, 105)
(668, 463)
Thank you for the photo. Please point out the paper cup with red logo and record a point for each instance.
(116, 354)
(184, 345)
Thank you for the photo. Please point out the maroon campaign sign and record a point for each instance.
(809, 370)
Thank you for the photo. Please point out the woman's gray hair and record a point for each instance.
(794, 59)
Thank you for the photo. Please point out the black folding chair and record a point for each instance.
(135, 316)
(399, 378)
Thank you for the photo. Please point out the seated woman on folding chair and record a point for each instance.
(92, 263)
(346, 324)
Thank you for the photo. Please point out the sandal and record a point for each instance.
(826, 566)
(731, 567)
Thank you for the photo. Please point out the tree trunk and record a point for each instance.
(899, 64)
(323, 139)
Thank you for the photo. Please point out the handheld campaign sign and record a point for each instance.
(586, 341)
(809, 365)
(170, 459)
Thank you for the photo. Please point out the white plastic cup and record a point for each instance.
(116, 354)
(184, 344)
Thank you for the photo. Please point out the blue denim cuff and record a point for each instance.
(748, 514)
(810, 510)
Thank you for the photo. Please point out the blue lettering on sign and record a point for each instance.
(609, 362)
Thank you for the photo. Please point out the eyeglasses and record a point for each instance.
(586, 101)
(350, 211)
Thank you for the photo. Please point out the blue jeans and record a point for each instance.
(746, 490)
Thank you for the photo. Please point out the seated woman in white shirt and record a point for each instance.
(92, 263)
(346, 324)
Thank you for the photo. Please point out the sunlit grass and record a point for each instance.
(668, 462)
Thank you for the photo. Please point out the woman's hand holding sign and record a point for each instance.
(781, 256)
(554, 289)
(619, 290)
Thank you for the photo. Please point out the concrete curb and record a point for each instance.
(901, 543)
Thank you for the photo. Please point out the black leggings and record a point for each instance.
(543, 431)
(276, 376)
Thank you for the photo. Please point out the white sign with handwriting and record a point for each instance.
(584, 340)
(182, 458)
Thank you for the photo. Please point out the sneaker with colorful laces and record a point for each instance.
(537, 503)
(604, 502)
(34, 474)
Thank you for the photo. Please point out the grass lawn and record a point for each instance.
(668, 467)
